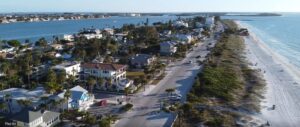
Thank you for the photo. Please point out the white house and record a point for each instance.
(184, 38)
(57, 46)
(6, 49)
(68, 37)
(91, 33)
(103, 70)
(180, 24)
(115, 72)
(71, 68)
(110, 31)
(80, 99)
(32, 118)
(210, 21)
(168, 48)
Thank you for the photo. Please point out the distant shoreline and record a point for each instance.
(259, 14)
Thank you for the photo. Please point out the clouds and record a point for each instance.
(149, 6)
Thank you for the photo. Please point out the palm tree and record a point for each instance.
(170, 90)
(126, 90)
(3, 106)
(67, 95)
(91, 82)
(7, 98)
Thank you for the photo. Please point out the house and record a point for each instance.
(110, 31)
(57, 46)
(71, 68)
(68, 37)
(184, 38)
(90, 33)
(168, 48)
(210, 21)
(115, 72)
(80, 98)
(14, 95)
(6, 49)
(32, 118)
(105, 70)
(180, 24)
(141, 60)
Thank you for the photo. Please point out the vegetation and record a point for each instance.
(225, 84)
(126, 107)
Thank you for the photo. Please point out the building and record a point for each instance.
(104, 70)
(68, 37)
(57, 46)
(71, 68)
(115, 72)
(210, 21)
(110, 31)
(90, 33)
(80, 99)
(180, 24)
(141, 60)
(13, 95)
(184, 38)
(6, 49)
(31, 118)
(168, 48)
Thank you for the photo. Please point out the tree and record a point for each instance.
(61, 77)
(7, 98)
(127, 91)
(105, 122)
(67, 95)
(14, 43)
(51, 76)
(42, 42)
(170, 91)
(91, 82)
(3, 106)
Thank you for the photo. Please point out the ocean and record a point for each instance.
(280, 33)
(35, 30)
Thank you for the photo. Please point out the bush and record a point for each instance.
(104, 122)
(127, 107)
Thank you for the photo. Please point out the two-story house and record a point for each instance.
(141, 60)
(71, 68)
(32, 118)
(168, 48)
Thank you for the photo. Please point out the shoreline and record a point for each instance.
(282, 83)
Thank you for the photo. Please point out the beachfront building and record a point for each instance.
(70, 68)
(32, 118)
(90, 33)
(80, 99)
(6, 49)
(168, 48)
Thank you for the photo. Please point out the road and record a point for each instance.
(180, 75)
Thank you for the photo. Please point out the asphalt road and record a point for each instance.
(180, 75)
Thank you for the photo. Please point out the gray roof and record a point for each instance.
(27, 115)
(48, 115)
(168, 43)
(140, 58)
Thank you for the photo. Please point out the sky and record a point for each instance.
(149, 6)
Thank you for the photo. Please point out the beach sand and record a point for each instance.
(283, 86)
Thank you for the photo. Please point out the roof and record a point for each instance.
(49, 115)
(27, 115)
(19, 93)
(168, 43)
(76, 92)
(103, 66)
(65, 64)
(141, 57)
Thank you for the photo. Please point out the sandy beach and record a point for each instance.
(283, 86)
